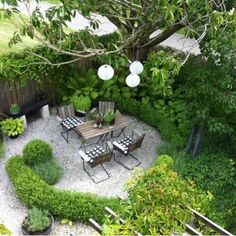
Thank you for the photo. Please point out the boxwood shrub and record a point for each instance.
(33, 191)
(37, 151)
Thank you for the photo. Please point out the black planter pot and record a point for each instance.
(113, 122)
(14, 136)
(80, 113)
(47, 231)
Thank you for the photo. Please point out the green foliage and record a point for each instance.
(4, 230)
(14, 108)
(163, 67)
(157, 200)
(50, 171)
(82, 103)
(37, 151)
(153, 117)
(27, 66)
(209, 90)
(1, 148)
(33, 191)
(37, 220)
(12, 127)
(109, 117)
(215, 173)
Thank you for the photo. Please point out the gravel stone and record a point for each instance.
(12, 211)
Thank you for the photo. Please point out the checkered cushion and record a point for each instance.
(71, 122)
(125, 142)
(95, 152)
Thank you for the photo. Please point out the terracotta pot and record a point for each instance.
(47, 231)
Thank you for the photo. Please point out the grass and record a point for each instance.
(7, 28)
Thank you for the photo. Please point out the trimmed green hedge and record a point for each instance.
(33, 191)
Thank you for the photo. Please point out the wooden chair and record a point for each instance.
(68, 120)
(127, 145)
(104, 106)
(97, 156)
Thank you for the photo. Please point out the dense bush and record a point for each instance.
(153, 117)
(37, 151)
(49, 171)
(215, 173)
(33, 191)
(157, 200)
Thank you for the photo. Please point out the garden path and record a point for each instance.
(12, 211)
(176, 41)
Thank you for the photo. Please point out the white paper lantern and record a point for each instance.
(105, 72)
(132, 80)
(136, 67)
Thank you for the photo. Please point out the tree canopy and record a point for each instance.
(135, 20)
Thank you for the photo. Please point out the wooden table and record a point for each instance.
(87, 131)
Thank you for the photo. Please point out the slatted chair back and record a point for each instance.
(66, 111)
(105, 106)
(101, 158)
(136, 143)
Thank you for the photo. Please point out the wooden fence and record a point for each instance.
(15, 92)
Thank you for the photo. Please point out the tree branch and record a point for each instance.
(163, 36)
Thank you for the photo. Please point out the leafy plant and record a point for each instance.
(50, 171)
(14, 108)
(12, 127)
(109, 117)
(37, 151)
(157, 200)
(37, 220)
(4, 230)
(82, 103)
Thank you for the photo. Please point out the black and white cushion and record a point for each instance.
(124, 144)
(71, 122)
(95, 152)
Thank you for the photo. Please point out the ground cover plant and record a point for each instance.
(50, 171)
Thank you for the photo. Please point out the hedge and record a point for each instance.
(33, 191)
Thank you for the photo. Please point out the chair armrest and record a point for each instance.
(137, 132)
(110, 146)
(84, 156)
(59, 118)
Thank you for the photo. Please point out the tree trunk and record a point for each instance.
(198, 140)
(190, 140)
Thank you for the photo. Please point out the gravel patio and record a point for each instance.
(74, 179)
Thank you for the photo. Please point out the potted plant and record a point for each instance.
(14, 109)
(12, 127)
(109, 118)
(37, 222)
(82, 104)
